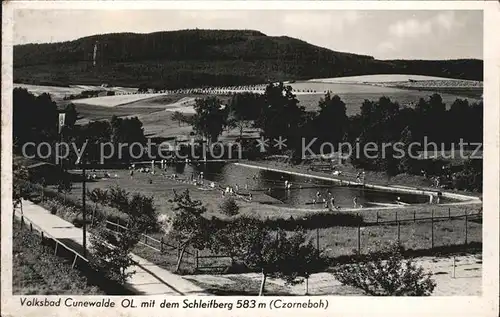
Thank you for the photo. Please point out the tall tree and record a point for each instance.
(274, 253)
(407, 162)
(35, 118)
(281, 114)
(71, 115)
(332, 119)
(188, 226)
(210, 118)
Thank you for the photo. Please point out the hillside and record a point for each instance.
(191, 58)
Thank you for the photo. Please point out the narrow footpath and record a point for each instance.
(149, 279)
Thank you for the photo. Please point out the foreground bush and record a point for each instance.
(381, 276)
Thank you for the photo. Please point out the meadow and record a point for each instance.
(385, 78)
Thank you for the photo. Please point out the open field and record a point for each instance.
(37, 271)
(386, 78)
(113, 101)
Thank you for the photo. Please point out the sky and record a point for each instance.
(384, 34)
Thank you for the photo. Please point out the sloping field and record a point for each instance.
(113, 101)
(185, 105)
(382, 78)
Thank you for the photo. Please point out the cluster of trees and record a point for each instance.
(35, 119)
(139, 210)
(88, 94)
(195, 58)
(247, 240)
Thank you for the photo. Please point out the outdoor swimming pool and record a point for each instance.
(303, 189)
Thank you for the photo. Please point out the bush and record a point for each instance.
(380, 276)
(229, 206)
(110, 253)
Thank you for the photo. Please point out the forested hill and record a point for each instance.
(190, 58)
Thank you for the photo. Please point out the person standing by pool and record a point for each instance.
(332, 202)
(355, 201)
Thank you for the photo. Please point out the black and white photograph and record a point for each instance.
(269, 153)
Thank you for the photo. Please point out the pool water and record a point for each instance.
(303, 189)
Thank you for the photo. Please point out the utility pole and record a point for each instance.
(84, 212)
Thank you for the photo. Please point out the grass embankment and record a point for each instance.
(37, 271)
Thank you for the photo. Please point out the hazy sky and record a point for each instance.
(382, 34)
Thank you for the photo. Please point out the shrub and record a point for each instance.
(110, 253)
(380, 276)
(229, 206)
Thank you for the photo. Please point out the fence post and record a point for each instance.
(449, 213)
(359, 238)
(55, 250)
(414, 216)
(399, 232)
(43, 238)
(396, 216)
(161, 244)
(466, 228)
(432, 214)
(145, 239)
(432, 232)
(31, 227)
(197, 263)
(377, 217)
(74, 261)
(22, 221)
(453, 267)
(317, 239)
